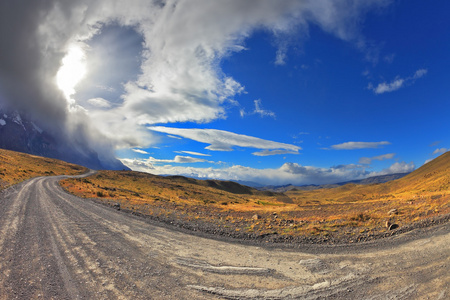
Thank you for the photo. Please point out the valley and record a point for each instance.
(224, 150)
(134, 235)
(350, 213)
(57, 246)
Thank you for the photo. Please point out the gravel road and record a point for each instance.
(57, 246)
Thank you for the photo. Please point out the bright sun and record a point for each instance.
(73, 69)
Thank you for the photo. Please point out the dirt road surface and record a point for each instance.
(57, 246)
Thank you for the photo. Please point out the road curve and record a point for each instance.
(56, 246)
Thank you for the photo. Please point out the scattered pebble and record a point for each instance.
(393, 211)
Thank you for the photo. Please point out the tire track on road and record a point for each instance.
(57, 246)
(98, 241)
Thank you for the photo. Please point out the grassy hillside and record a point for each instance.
(428, 186)
(431, 177)
(16, 167)
(134, 188)
(350, 210)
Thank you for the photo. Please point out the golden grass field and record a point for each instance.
(347, 211)
(16, 167)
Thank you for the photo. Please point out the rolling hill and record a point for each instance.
(16, 167)
(349, 211)
(433, 176)
(432, 179)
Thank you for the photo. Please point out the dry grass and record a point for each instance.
(16, 167)
(349, 210)
(344, 211)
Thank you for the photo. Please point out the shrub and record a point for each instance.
(361, 217)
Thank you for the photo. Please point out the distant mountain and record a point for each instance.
(228, 186)
(379, 179)
(369, 180)
(252, 184)
(18, 133)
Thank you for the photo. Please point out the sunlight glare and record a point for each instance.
(73, 69)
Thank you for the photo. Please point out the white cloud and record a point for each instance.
(420, 73)
(187, 159)
(140, 151)
(105, 88)
(220, 140)
(440, 150)
(151, 161)
(385, 87)
(262, 112)
(397, 83)
(258, 110)
(398, 167)
(193, 153)
(368, 160)
(359, 145)
(179, 78)
(288, 173)
(99, 102)
(281, 56)
(274, 152)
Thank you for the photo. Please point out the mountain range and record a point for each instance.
(309, 187)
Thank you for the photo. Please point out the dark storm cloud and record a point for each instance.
(183, 43)
(24, 69)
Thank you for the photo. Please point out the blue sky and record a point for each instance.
(273, 92)
(321, 96)
(325, 94)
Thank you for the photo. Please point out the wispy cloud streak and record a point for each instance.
(397, 83)
(368, 160)
(359, 145)
(220, 140)
(179, 77)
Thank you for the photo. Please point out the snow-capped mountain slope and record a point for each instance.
(18, 133)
